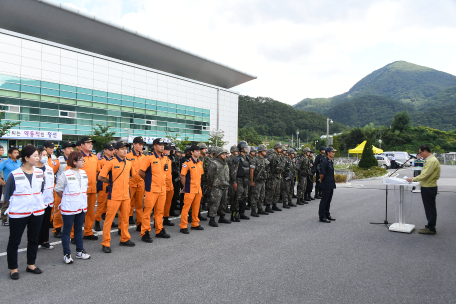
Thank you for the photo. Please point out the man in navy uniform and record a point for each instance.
(327, 185)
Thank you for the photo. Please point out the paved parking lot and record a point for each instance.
(286, 257)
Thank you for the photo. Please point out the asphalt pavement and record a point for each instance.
(285, 257)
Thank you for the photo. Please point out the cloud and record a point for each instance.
(297, 49)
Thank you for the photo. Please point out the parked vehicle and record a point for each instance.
(401, 157)
(383, 161)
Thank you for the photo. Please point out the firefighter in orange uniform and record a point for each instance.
(153, 171)
(137, 185)
(90, 167)
(117, 173)
(102, 196)
(191, 172)
(169, 186)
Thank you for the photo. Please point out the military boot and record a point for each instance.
(317, 195)
(310, 196)
(212, 222)
(223, 220)
(285, 206)
(291, 204)
(275, 208)
(299, 202)
(254, 213)
(97, 226)
(167, 222)
(234, 217)
(260, 211)
(202, 217)
(306, 198)
(268, 209)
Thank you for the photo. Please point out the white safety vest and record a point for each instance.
(26, 199)
(74, 197)
(48, 193)
(62, 167)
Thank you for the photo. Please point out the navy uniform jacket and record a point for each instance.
(327, 168)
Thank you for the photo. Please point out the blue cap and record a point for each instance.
(329, 149)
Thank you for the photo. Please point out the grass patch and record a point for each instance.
(368, 173)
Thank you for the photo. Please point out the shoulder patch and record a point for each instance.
(184, 165)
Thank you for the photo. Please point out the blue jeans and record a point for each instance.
(68, 221)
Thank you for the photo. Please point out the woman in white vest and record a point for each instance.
(23, 190)
(72, 188)
(48, 198)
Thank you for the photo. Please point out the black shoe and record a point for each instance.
(106, 249)
(58, 233)
(254, 214)
(260, 211)
(223, 220)
(131, 220)
(103, 216)
(305, 202)
(330, 218)
(97, 226)
(15, 275)
(275, 208)
(35, 271)
(202, 218)
(163, 234)
(285, 206)
(212, 222)
(324, 220)
(317, 196)
(90, 237)
(268, 209)
(311, 197)
(167, 222)
(197, 228)
(72, 241)
(185, 231)
(306, 198)
(173, 213)
(244, 217)
(127, 244)
(146, 238)
(119, 232)
(138, 228)
(299, 203)
(292, 205)
(114, 225)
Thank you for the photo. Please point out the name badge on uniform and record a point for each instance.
(85, 176)
(116, 167)
(20, 178)
(39, 176)
(132, 158)
(50, 173)
(155, 162)
(63, 162)
(193, 167)
(72, 178)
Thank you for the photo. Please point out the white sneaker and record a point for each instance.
(67, 259)
(82, 255)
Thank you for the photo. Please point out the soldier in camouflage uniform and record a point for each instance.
(218, 178)
(285, 173)
(258, 177)
(204, 187)
(288, 180)
(250, 157)
(233, 166)
(303, 174)
(310, 179)
(242, 179)
(276, 167)
(295, 173)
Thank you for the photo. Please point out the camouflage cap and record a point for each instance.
(178, 150)
(202, 145)
(291, 151)
(262, 148)
(252, 149)
(234, 149)
(278, 145)
(306, 149)
(213, 150)
(221, 151)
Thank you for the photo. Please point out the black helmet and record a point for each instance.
(322, 148)
(242, 144)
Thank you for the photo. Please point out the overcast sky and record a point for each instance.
(297, 49)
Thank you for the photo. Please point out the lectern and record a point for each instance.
(403, 197)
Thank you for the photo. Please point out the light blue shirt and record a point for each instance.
(7, 166)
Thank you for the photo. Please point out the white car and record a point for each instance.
(401, 156)
(383, 161)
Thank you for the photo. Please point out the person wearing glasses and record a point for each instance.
(327, 185)
(72, 188)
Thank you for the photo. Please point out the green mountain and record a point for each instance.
(400, 80)
(446, 97)
(440, 117)
(270, 117)
(367, 109)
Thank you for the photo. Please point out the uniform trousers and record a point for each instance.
(57, 218)
(192, 200)
(137, 201)
(325, 203)
(168, 202)
(102, 200)
(428, 195)
(90, 214)
(43, 236)
(124, 208)
(155, 201)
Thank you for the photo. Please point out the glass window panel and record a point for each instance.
(113, 113)
(171, 115)
(161, 128)
(100, 99)
(127, 103)
(189, 112)
(67, 101)
(100, 105)
(84, 91)
(84, 103)
(67, 88)
(207, 115)
(180, 111)
(137, 110)
(139, 99)
(189, 117)
(84, 97)
(162, 108)
(9, 86)
(206, 119)
(30, 96)
(31, 82)
(161, 103)
(189, 108)
(67, 94)
(150, 101)
(180, 116)
(126, 97)
(127, 109)
(113, 107)
(114, 101)
(100, 117)
(172, 105)
(49, 112)
(50, 85)
(151, 107)
(29, 89)
(49, 105)
(150, 112)
(114, 95)
(10, 78)
(100, 93)
(67, 121)
(160, 113)
(10, 93)
(198, 114)
(171, 110)
(49, 98)
(180, 107)
(99, 111)
(84, 116)
(161, 123)
(139, 105)
(50, 92)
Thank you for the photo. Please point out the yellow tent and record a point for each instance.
(359, 149)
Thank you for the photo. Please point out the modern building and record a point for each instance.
(63, 71)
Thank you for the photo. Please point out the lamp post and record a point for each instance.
(328, 121)
(128, 133)
(217, 134)
(316, 146)
(380, 142)
(297, 139)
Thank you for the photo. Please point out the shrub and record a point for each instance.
(340, 178)
(368, 159)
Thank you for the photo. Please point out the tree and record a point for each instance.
(102, 136)
(250, 135)
(368, 159)
(180, 143)
(4, 127)
(401, 121)
(216, 140)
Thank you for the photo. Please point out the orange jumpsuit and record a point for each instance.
(55, 164)
(154, 167)
(169, 187)
(192, 170)
(118, 172)
(137, 186)
(90, 167)
(102, 196)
